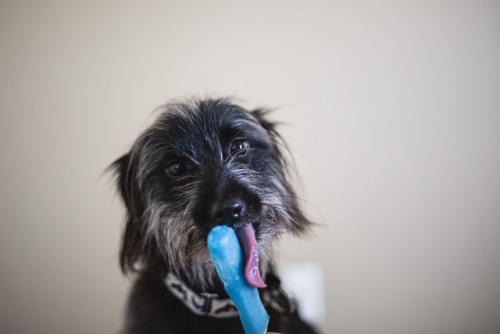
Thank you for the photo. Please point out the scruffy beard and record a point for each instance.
(183, 245)
(195, 155)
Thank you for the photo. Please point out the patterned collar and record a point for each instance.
(205, 304)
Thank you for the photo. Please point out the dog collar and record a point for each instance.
(204, 304)
(207, 304)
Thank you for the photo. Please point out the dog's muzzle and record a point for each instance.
(232, 212)
(229, 211)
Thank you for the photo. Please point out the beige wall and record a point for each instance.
(392, 111)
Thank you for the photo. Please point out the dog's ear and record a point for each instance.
(278, 141)
(285, 158)
(133, 242)
(260, 115)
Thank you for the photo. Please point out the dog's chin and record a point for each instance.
(197, 269)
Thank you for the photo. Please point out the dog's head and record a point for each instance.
(203, 163)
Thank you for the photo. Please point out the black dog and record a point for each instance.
(203, 163)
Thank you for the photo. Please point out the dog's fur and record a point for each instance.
(198, 156)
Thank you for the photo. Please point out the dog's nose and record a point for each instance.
(228, 211)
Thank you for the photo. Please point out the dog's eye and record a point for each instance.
(239, 147)
(175, 169)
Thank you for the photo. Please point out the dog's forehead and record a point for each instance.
(214, 119)
(191, 128)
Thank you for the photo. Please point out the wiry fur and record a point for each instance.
(169, 217)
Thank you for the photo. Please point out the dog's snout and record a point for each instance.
(228, 211)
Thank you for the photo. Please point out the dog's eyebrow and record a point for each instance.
(190, 152)
(243, 126)
(175, 153)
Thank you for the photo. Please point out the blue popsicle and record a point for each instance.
(228, 259)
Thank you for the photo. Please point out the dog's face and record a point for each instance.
(201, 164)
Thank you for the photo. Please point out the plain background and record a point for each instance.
(391, 108)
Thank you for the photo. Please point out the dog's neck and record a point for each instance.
(204, 304)
(220, 305)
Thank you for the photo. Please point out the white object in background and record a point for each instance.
(305, 281)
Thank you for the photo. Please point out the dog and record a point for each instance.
(203, 163)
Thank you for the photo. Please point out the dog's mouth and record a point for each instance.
(246, 236)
